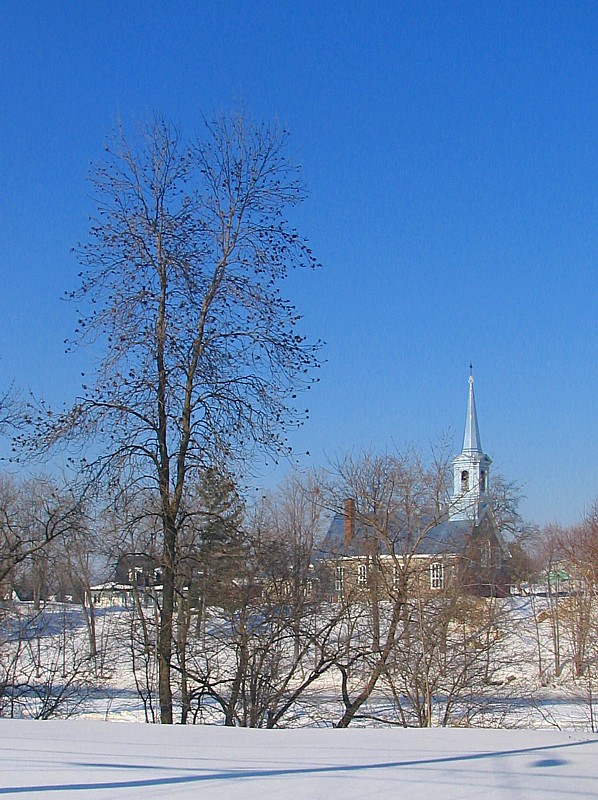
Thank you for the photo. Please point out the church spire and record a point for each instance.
(470, 469)
(471, 437)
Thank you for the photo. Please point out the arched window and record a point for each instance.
(465, 481)
(483, 479)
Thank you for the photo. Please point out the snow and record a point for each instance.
(544, 750)
(523, 692)
(92, 759)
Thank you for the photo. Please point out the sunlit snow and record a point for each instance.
(92, 759)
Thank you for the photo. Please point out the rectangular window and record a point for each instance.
(362, 575)
(339, 578)
(437, 575)
(135, 576)
(487, 554)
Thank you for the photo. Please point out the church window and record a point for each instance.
(339, 579)
(483, 481)
(464, 481)
(437, 575)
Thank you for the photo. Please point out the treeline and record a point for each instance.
(263, 636)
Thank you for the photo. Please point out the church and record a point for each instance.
(460, 543)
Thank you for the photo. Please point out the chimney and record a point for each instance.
(349, 520)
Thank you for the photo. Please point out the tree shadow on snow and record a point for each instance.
(282, 772)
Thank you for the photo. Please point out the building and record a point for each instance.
(458, 543)
(138, 581)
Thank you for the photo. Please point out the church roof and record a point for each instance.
(443, 537)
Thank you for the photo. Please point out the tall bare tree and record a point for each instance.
(578, 551)
(199, 354)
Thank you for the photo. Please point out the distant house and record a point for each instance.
(557, 581)
(138, 580)
(463, 543)
(113, 595)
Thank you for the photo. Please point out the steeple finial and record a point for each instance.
(471, 438)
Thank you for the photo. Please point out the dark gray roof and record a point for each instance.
(429, 538)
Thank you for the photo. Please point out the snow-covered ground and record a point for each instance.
(96, 756)
(44, 656)
(91, 759)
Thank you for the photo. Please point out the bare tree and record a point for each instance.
(507, 497)
(13, 414)
(78, 556)
(34, 515)
(44, 671)
(395, 502)
(552, 560)
(445, 658)
(200, 357)
(578, 547)
(266, 645)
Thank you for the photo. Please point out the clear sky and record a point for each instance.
(451, 154)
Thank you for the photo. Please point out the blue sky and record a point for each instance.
(451, 155)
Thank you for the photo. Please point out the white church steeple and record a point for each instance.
(470, 470)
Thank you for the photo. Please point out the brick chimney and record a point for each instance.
(349, 520)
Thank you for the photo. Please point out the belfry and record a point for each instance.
(470, 470)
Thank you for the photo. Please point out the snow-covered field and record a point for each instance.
(540, 745)
(91, 759)
(47, 672)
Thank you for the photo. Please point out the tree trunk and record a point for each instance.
(352, 707)
(183, 625)
(166, 623)
(90, 621)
